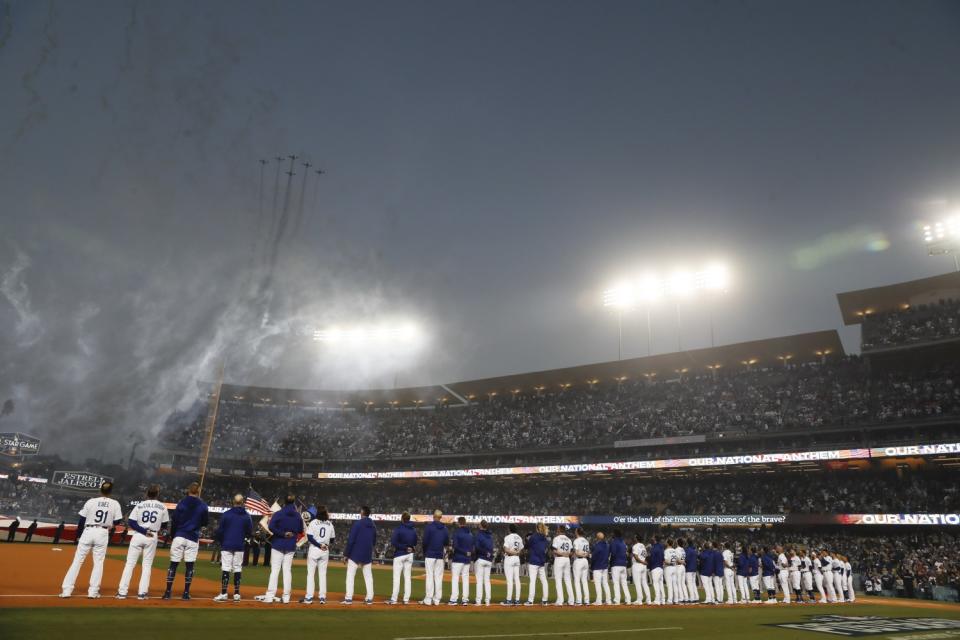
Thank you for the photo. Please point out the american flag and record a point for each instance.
(256, 503)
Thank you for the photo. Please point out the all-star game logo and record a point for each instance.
(18, 444)
(869, 625)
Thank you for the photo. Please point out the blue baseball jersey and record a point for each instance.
(717, 563)
(743, 564)
(618, 553)
(191, 514)
(768, 565)
(656, 556)
(404, 537)
(360, 542)
(753, 565)
(463, 544)
(435, 540)
(538, 549)
(285, 521)
(484, 545)
(691, 559)
(706, 564)
(600, 558)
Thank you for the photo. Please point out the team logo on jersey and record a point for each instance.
(868, 625)
(19, 444)
(79, 480)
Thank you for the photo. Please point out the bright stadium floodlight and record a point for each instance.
(620, 297)
(943, 237)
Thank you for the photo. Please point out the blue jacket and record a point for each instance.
(769, 564)
(600, 558)
(435, 539)
(363, 535)
(690, 559)
(718, 563)
(404, 537)
(287, 520)
(484, 545)
(537, 546)
(656, 556)
(706, 562)
(743, 564)
(190, 514)
(462, 545)
(235, 525)
(753, 564)
(618, 551)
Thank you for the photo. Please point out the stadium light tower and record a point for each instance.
(681, 285)
(943, 237)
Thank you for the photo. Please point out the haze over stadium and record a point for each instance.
(523, 288)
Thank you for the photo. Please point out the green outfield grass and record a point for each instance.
(292, 621)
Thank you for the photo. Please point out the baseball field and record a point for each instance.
(31, 575)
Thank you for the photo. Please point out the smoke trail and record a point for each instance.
(14, 288)
(298, 219)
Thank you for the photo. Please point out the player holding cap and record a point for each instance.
(639, 569)
(690, 571)
(795, 563)
(581, 568)
(826, 562)
(97, 518)
(706, 573)
(818, 576)
(599, 563)
(806, 574)
(562, 550)
(718, 566)
(743, 575)
(404, 541)
(783, 573)
(190, 515)
(484, 555)
(146, 520)
(670, 571)
(512, 546)
(235, 526)
(463, 545)
(320, 534)
(435, 541)
(537, 565)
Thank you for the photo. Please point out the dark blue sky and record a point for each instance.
(491, 166)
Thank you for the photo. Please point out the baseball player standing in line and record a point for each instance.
(538, 565)
(235, 526)
(190, 515)
(484, 555)
(581, 568)
(795, 563)
(753, 572)
(618, 568)
(97, 518)
(670, 571)
(512, 546)
(657, 557)
(359, 554)
(639, 569)
(320, 534)
(706, 573)
(690, 571)
(404, 541)
(146, 520)
(285, 525)
(463, 545)
(839, 581)
(600, 563)
(729, 573)
(743, 575)
(818, 576)
(806, 574)
(783, 573)
(826, 561)
(562, 549)
(769, 570)
(718, 567)
(435, 541)
(848, 568)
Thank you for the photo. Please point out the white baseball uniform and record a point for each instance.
(848, 574)
(729, 576)
(318, 557)
(151, 515)
(818, 578)
(670, 573)
(639, 570)
(827, 568)
(581, 570)
(100, 514)
(795, 563)
(783, 575)
(511, 565)
(561, 568)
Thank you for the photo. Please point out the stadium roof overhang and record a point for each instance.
(800, 348)
(855, 305)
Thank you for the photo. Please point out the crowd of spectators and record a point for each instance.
(804, 397)
(913, 325)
